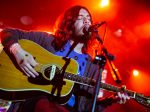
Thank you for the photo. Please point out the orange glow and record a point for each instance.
(143, 29)
(104, 3)
(104, 10)
(135, 72)
(49, 32)
(45, 29)
(140, 82)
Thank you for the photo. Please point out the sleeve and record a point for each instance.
(106, 101)
(10, 36)
(7, 38)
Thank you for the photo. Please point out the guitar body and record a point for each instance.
(56, 77)
(14, 85)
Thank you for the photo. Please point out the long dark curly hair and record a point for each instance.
(64, 27)
(65, 24)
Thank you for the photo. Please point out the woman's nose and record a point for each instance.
(86, 20)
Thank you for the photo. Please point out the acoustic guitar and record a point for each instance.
(56, 79)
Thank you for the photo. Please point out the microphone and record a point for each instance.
(92, 28)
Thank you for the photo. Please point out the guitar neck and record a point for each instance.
(117, 89)
(91, 82)
(79, 79)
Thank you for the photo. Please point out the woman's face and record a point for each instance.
(83, 20)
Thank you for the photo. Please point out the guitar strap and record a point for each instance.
(58, 86)
(71, 48)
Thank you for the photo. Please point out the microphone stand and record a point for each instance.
(101, 60)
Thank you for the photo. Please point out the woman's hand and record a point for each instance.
(25, 60)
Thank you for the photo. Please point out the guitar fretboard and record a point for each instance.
(80, 79)
(92, 82)
(117, 89)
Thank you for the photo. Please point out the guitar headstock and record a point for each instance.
(144, 100)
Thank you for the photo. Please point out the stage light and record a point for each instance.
(104, 3)
(135, 73)
(118, 32)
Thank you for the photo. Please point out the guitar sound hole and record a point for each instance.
(48, 72)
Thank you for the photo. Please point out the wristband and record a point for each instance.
(13, 49)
